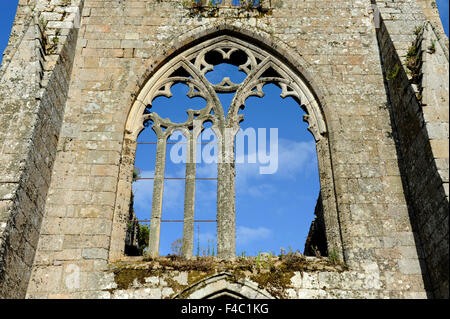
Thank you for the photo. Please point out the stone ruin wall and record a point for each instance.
(64, 175)
(34, 82)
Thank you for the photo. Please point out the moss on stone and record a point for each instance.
(196, 276)
(126, 276)
(274, 275)
(275, 281)
(175, 285)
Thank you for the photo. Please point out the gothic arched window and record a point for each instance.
(189, 68)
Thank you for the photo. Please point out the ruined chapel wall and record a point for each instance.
(120, 42)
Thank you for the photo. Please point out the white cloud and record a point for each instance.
(143, 191)
(204, 237)
(261, 190)
(245, 235)
(206, 170)
(295, 160)
(173, 196)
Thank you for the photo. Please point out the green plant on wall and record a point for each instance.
(194, 4)
(210, 251)
(143, 237)
(177, 247)
(211, 7)
(258, 260)
(43, 23)
(392, 74)
(412, 52)
(432, 47)
(413, 61)
(205, 7)
(264, 260)
(136, 173)
(418, 30)
(333, 257)
(247, 4)
(213, 3)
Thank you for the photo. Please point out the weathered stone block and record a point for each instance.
(94, 253)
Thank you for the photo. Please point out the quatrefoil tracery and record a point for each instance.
(190, 68)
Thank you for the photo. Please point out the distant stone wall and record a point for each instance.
(132, 232)
(316, 242)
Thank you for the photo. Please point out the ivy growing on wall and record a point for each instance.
(205, 5)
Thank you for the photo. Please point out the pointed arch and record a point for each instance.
(193, 62)
(223, 285)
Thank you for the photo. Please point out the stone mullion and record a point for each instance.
(226, 219)
(189, 199)
(158, 187)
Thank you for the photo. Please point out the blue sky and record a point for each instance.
(272, 211)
